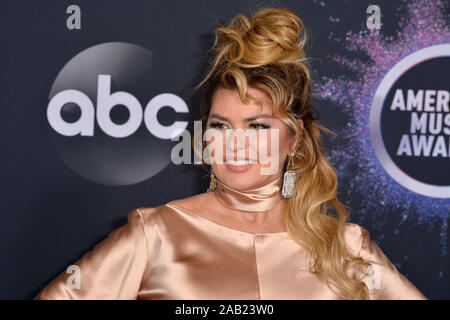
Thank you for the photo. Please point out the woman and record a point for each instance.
(252, 235)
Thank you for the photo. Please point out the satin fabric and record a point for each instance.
(263, 198)
(169, 252)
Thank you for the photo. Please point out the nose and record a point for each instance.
(235, 145)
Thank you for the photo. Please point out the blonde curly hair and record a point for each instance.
(266, 51)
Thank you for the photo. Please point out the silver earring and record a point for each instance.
(289, 179)
(212, 183)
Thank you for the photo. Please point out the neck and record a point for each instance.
(259, 199)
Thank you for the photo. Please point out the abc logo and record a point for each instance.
(105, 102)
(97, 123)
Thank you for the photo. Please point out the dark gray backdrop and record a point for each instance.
(50, 215)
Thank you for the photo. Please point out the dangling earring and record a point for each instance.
(289, 179)
(212, 183)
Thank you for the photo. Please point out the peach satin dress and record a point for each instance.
(168, 252)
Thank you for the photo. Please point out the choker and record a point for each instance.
(259, 199)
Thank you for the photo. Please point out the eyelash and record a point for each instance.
(216, 124)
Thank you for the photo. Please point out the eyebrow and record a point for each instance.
(262, 115)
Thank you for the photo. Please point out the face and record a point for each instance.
(265, 143)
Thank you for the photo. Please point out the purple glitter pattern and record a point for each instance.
(422, 24)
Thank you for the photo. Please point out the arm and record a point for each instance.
(384, 281)
(112, 270)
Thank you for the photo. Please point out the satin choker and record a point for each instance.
(259, 199)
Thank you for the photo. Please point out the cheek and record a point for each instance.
(275, 141)
(267, 142)
(216, 145)
(284, 140)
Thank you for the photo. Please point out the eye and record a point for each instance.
(217, 125)
(257, 125)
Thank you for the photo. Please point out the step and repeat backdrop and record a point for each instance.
(92, 90)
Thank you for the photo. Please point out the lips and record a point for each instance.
(240, 162)
(239, 166)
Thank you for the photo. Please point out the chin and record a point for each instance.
(241, 185)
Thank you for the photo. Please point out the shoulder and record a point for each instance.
(193, 203)
(356, 237)
(151, 215)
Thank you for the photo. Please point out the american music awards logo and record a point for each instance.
(410, 122)
(393, 153)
